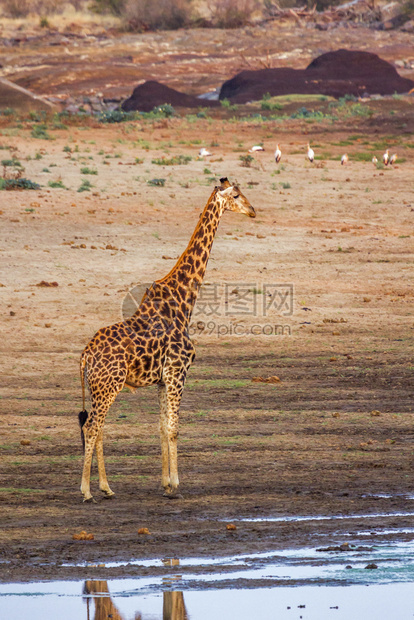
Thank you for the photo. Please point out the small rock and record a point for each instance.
(83, 535)
(231, 526)
(47, 284)
(143, 530)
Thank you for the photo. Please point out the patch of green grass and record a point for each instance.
(177, 160)
(56, 184)
(40, 132)
(227, 105)
(87, 170)
(267, 103)
(219, 383)
(85, 186)
(156, 182)
(361, 156)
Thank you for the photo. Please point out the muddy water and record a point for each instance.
(345, 581)
(312, 603)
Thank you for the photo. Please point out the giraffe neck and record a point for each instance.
(185, 278)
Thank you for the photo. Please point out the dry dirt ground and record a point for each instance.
(69, 60)
(333, 436)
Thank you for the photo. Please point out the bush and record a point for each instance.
(87, 170)
(246, 160)
(116, 7)
(177, 160)
(267, 104)
(156, 182)
(116, 116)
(15, 184)
(142, 15)
(231, 13)
(85, 186)
(23, 8)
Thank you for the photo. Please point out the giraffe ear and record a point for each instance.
(224, 182)
(226, 192)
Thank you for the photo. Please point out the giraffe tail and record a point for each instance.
(83, 415)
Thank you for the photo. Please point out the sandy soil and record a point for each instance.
(329, 438)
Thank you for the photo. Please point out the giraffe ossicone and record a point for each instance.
(152, 347)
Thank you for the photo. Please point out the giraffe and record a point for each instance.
(152, 347)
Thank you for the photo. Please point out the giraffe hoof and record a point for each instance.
(173, 495)
(89, 500)
(108, 494)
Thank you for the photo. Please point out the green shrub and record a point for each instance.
(266, 103)
(85, 186)
(56, 184)
(87, 170)
(116, 7)
(232, 13)
(246, 160)
(142, 15)
(165, 110)
(16, 184)
(116, 116)
(156, 182)
(178, 160)
(40, 131)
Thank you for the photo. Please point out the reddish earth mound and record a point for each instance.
(337, 74)
(151, 94)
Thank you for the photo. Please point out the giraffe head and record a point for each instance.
(233, 199)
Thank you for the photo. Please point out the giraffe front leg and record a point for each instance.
(165, 475)
(172, 448)
(103, 481)
(169, 397)
(173, 401)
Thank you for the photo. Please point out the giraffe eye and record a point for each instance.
(236, 196)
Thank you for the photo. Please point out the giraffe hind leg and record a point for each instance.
(103, 481)
(93, 438)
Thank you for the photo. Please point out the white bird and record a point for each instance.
(311, 154)
(393, 159)
(255, 148)
(386, 158)
(374, 160)
(278, 154)
(204, 152)
(344, 159)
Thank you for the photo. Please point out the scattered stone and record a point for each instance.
(273, 379)
(143, 530)
(47, 284)
(231, 527)
(371, 566)
(25, 442)
(83, 535)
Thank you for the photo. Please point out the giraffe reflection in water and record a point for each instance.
(173, 607)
